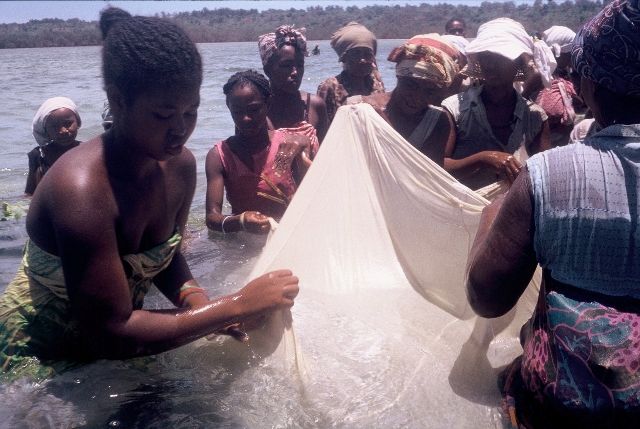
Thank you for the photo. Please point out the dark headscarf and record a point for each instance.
(607, 49)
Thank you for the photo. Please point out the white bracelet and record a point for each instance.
(222, 224)
(242, 221)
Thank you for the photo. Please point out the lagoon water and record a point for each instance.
(186, 388)
(30, 76)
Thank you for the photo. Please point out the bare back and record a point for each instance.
(84, 197)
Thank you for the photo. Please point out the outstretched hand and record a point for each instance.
(503, 164)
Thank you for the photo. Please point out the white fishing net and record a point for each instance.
(381, 334)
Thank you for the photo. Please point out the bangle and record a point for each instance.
(222, 224)
(242, 221)
(183, 295)
(186, 290)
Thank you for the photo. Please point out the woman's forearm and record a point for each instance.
(148, 332)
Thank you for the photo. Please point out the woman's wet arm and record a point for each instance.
(502, 259)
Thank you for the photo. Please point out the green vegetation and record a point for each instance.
(387, 22)
(11, 212)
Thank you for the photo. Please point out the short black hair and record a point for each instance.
(248, 77)
(452, 20)
(142, 53)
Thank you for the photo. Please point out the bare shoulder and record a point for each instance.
(316, 100)
(74, 196)
(183, 163)
(213, 162)
(80, 171)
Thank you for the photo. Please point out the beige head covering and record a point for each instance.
(353, 35)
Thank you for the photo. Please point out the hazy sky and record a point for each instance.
(23, 11)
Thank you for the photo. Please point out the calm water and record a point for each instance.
(30, 76)
(180, 389)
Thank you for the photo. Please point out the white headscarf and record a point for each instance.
(40, 120)
(559, 39)
(508, 38)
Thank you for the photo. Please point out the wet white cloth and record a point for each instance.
(559, 39)
(40, 120)
(379, 235)
(508, 38)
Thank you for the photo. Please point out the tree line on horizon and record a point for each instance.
(387, 22)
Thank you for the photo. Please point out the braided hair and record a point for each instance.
(141, 53)
(248, 77)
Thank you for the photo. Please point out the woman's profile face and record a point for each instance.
(359, 61)
(415, 95)
(249, 109)
(62, 127)
(285, 69)
(497, 69)
(159, 123)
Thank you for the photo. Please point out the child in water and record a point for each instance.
(260, 168)
(79, 293)
(55, 128)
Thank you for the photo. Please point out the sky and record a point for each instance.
(23, 11)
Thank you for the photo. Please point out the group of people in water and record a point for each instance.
(469, 106)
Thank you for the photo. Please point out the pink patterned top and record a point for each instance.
(243, 184)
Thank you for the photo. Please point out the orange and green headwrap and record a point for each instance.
(430, 57)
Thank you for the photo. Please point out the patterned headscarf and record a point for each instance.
(429, 57)
(38, 126)
(607, 48)
(284, 35)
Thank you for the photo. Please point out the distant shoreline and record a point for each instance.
(387, 22)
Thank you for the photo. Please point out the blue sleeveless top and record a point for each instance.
(586, 211)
